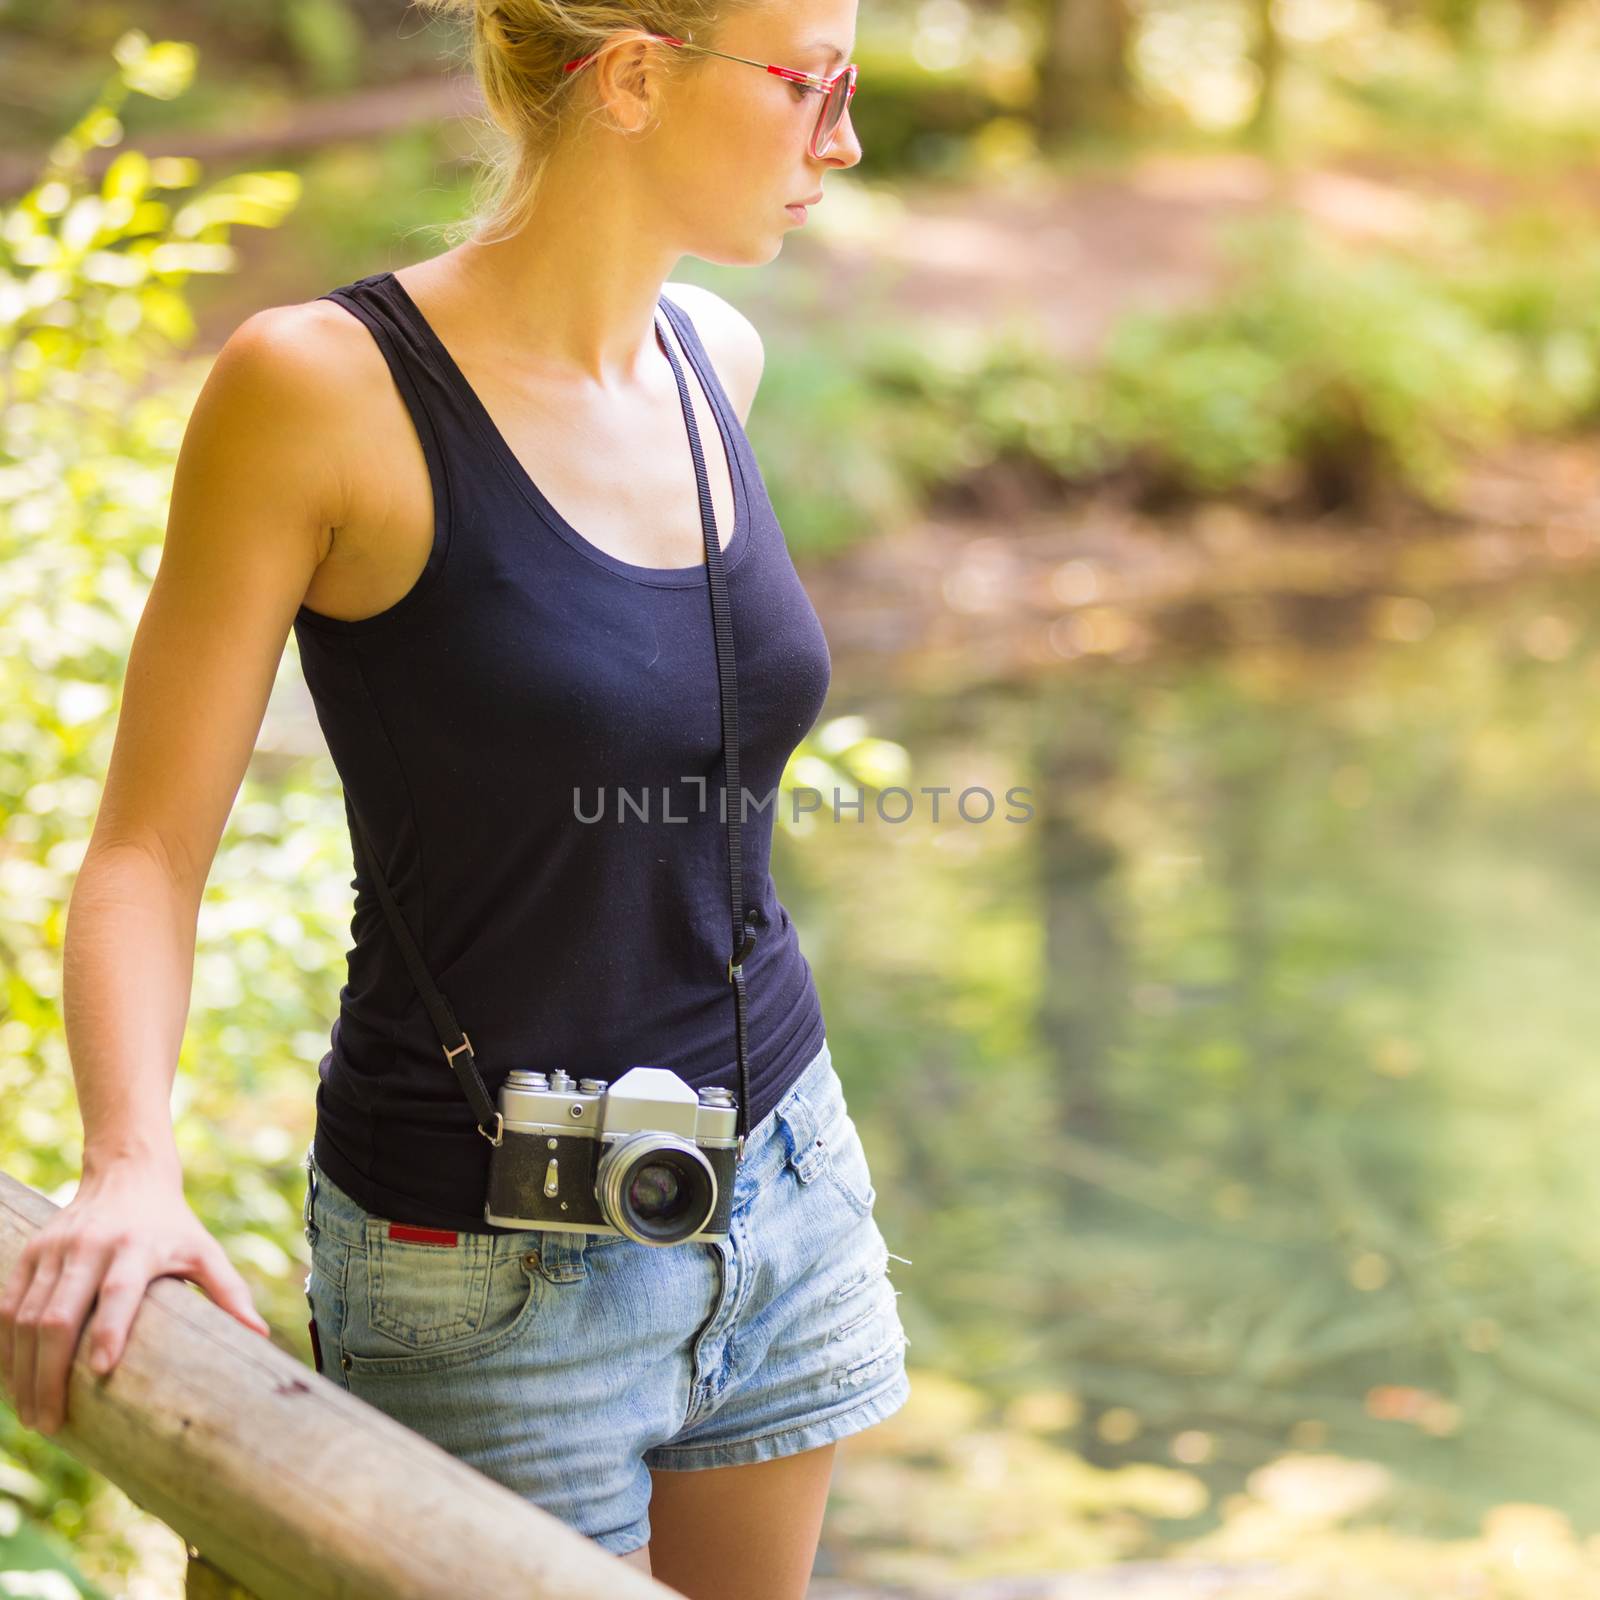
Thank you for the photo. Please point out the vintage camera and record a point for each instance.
(647, 1157)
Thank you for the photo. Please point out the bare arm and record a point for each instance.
(253, 496)
(258, 486)
(127, 969)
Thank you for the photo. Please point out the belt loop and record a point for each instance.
(798, 1117)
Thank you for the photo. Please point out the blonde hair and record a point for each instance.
(518, 49)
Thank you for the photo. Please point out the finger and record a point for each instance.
(121, 1294)
(46, 1270)
(222, 1282)
(17, 1286)
(61, 1325)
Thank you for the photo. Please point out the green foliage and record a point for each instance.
(811, 409)
(42, 1513)
(91, 311)
(1535, 277)
(1509, 82)
(947, 403)
(1331, 361)
(326, 35)
(836, 766)
(1514, 88)
(1322, 374)
(923, 120)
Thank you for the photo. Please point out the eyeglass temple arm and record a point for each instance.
(583, 61)
(808, 78)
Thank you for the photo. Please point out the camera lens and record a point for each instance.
(656, 1191)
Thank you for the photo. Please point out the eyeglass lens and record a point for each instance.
(833, 107)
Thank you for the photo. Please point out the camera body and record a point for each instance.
(646, 1156)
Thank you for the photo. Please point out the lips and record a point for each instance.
(811, 202)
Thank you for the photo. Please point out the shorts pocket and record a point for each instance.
(325, 1300)
(426, 1300)
(847, 1163)
(516, 1292)
(825, 1142)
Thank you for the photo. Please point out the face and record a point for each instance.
(733, 145)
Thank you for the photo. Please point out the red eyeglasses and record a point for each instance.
(836, 91)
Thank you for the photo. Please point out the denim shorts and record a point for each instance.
(567, 1365)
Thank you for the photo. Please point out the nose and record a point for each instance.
(845, 151)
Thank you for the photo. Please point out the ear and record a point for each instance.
(625, 87)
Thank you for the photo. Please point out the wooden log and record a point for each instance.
(202, 1581)
(288, 1485)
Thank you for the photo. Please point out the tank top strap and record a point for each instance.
(443, 423)
(689, 338)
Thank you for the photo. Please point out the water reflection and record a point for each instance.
(1245, 1095)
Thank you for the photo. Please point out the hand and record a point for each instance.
(120, 1231)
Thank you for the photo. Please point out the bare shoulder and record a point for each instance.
(730, 338)
(313, 339)
(313, 349)
(311, 371)
(273, 386)
(312, 353)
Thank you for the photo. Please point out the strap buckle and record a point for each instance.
(499, 1134)
(737, 958)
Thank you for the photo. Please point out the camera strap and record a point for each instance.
(452, 1037)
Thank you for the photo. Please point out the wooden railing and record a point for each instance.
(288, 1487)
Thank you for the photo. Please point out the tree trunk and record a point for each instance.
(1269, 64)
(1084, 78)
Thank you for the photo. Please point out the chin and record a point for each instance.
(749, 254)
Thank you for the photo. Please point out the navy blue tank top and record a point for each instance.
(532, 738)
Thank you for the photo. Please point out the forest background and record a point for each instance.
(1186, 411)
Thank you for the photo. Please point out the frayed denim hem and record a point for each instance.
(878, 1405)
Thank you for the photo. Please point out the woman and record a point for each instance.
(466, 487)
